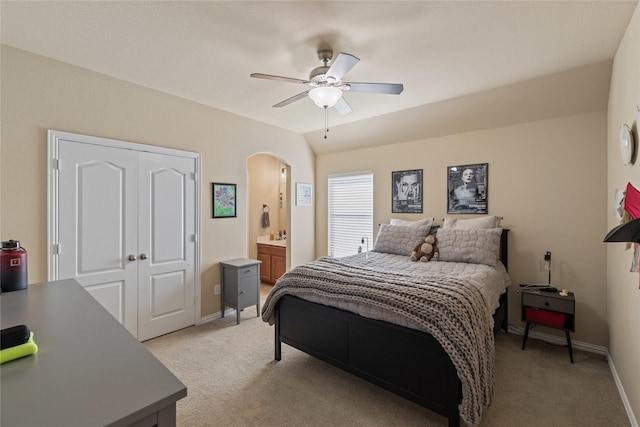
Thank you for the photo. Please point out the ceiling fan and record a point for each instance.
(327, 85)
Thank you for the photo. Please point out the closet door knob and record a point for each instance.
(132, 257)
(143, 256)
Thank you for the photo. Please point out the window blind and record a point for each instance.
(350, 212)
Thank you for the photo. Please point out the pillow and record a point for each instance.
(473, 223)
(426, 221)
(474, 246)
(399, 239)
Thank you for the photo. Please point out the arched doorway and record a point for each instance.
(268, 214)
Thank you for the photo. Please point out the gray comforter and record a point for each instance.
(453, 302)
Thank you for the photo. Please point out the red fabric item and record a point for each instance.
(544, 317)
(632, 201)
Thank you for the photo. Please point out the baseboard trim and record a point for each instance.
(591, 348)
(552, 339)
(625, 401)
(218, 315)
(210, 318)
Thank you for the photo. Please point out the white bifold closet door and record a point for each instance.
(127, 233)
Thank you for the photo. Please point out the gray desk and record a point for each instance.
(89, 370)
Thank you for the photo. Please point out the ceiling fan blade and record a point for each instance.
(343, 107)
(341, 66)
(278, 78)
(388, 88)
(294, 98)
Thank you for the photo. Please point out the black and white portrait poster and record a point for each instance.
(406, 191)
(467, 188)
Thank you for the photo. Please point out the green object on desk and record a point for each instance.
(18, 351)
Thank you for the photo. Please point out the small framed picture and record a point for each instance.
(406, 191)
(224, 200)
(304, 195)
(467, 189)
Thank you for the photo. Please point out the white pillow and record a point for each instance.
(426, 221)
(478, 246)
(473, 223)
(399, 239)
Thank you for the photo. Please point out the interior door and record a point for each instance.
(125, 226)
(98, 225)
(166, 242)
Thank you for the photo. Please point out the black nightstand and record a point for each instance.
(548, 309)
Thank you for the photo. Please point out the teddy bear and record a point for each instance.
(426, 251)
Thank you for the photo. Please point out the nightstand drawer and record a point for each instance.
(251, 270)
(548, 303)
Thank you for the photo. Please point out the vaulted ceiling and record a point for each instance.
(442, 51)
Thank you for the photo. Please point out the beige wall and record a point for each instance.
(40, 94)
(623, 294)
(546, 179)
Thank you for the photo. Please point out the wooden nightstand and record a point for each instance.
(548, 309)
(240, 284)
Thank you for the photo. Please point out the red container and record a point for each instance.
(544, 317)
(13, 266)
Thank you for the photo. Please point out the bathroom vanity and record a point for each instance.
(273, 254)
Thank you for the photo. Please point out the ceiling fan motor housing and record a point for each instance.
(317, 75)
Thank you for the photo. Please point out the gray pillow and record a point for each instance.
(425, 221)
(479, 246)
(399, 239)
(472, 223)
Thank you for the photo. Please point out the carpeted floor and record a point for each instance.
(232, 380)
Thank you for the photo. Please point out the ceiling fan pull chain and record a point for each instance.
(326, 122)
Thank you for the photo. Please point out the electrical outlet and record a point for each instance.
(216, 290)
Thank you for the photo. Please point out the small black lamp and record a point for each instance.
(627, 232)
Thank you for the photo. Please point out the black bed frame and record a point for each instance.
(405, 361)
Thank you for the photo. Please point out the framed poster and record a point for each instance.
(406, 191)
(467, 187)
(224, 200)
(303, 194)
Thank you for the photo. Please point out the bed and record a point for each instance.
(423, 330)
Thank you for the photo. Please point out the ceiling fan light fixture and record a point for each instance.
(325, 96)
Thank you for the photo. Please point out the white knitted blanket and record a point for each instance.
(452, 310)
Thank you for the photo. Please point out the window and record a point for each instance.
(350, 213)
